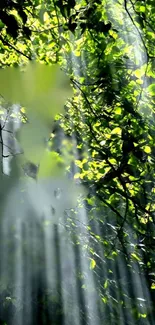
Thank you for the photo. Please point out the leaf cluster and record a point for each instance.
(13, 17)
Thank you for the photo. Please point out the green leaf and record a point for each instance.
(77, 175)
(153, 286)
(1, 25)
(105, 300)
(114, 253)
(151, 89)
(106, 284)
(135, 257)
(118, 110)
(147, 149)
(142, 9)
(142, 315)
(92, 264)
(116, 130)
(41, 15)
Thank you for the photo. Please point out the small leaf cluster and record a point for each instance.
(13, 17)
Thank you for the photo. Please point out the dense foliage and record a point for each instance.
(107, 50)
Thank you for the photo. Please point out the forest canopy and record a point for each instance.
(104, 138)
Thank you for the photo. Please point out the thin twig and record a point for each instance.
(14, 48)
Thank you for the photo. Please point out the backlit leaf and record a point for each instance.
(153, 286)
(147, 149)
(151, 89)
(92, 264)
(106, 284)
(116, 130)
(135, 257)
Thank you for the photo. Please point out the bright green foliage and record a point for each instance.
(112, 117)
(107, 49)
(92, 264)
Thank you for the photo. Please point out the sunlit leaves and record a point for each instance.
(92, 264)
(147, 149)
(80, 163)
(106, 284)
(136, 257)
(138, 73)
(113, 34)
(77, 175)
(105, 299)
(113, 120)
(142, 315)
(140, 7)
(116, 130)
(14, 19)
(118, 110)
(107, 104)
(151, 89)
(153, 286)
